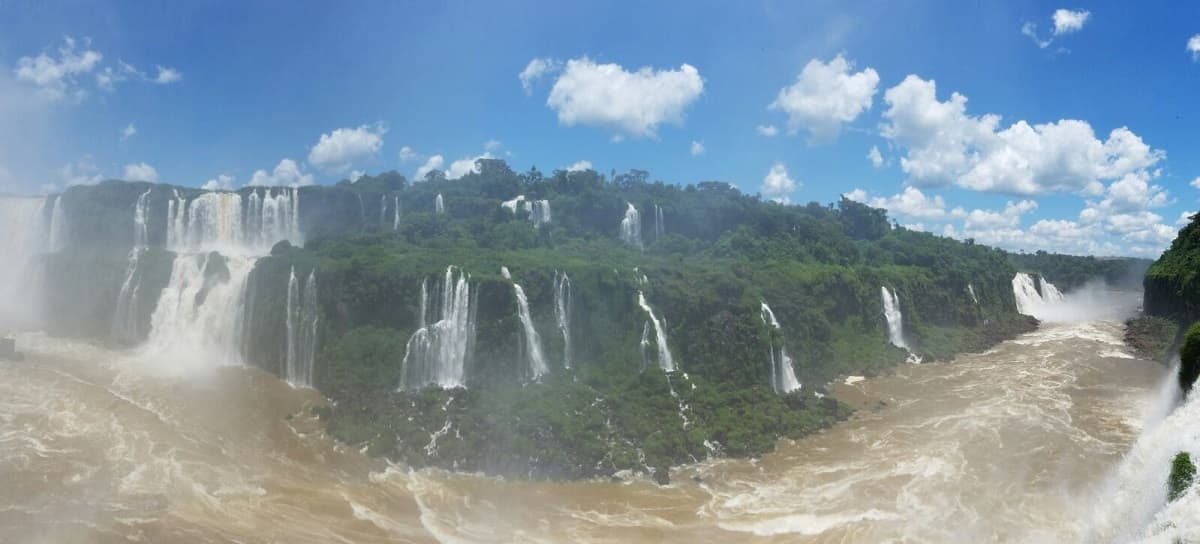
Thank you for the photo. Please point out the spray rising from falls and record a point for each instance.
(783, 375)
(631, 227)
(437, 353)
(125, 326)
(301, 322)
(1035, 295)
(665, 361)
(533, 342)
(199, 316)
(25, 240)
(58, 225)
(895, 322)
(562, 312)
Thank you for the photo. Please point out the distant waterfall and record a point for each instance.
(562, 312)
(631, 226)
(783, 375)
(303, 317)
(1034, 295)
(437, 353)
(645, 345)
(199, 316)
(439, 205)
(58, 226)
(26, 238)
(396, 213)
(533, 342)
(125, 319)
(971, 291)
(895, 322)
(362, 211)
(665, 361)
(382, 211)
(217, 221)
(659, 228)
(537, 211)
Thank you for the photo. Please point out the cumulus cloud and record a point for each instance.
(81, 172)
(140, 171)
(946, 146)
(287, 174)
(408, 154)
(434, 162)
(826, 96)
(1184, 218)
(767, 130)
(627, 103)
(1193, 47)
(337, 151)
(1196, 182)
(535, 70)
(465, 165)
(167, 75)
(580, 166)
(875, 157)
(128, 132)
(220, 183)
(1067, 21)
(910, 203)
(697, 147)
(56, 76)
(777, 184)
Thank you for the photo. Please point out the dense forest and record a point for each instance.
(681, 304)
(1068, 272)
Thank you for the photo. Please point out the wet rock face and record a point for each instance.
(1189, 359)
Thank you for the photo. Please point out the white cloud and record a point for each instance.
(1030, 29)
(465, 165)
(826, 96)
(492, 146)
(875, 157)
(56, 76)
(627, 103)
(535, 70)
(130, 130)
(1184, 218)
(220, 183)
(580, 166)
(287, 173)
(1067, 21)
(408, 154)
(697, 147)
(1193, 46)
(167, 75)
(336, 152)
(1196, 182)
(140, 171)
(81, 172)
(767, 130)
(432, 163)
(354, 175)
(910, 203)
(945, 146)
(777, 185)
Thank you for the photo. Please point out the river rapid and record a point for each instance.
(1024, 442)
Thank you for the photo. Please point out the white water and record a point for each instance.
(783, 375)
(659, 227)
(58, 226)
(437, 353)
(644, 344)
(631, 226)
(562, 312)
(396, 213)
(301, 325)
(665, 361)
(533, 341)
(439, 205)
(25, 239)
(895, 319)
(971, 291)
(1031, 301)
(538, 211)
(218, 221)
(125, 318)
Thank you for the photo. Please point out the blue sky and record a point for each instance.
(313, 92)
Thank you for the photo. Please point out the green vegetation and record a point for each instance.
(1068, 272)
(1151, 337)
(1189, 358)
(1172, 283)
(1183, 472)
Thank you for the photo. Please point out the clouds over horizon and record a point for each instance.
(824, 97)
(338, 151)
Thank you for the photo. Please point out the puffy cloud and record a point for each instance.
(911, 202)
(777, 185)
(627, 103)
(56, 76)
(875, 157)
(767, 130)
(434, 162)
(466, 165)
(1196, 183)
(945, 145)
(580, 166)
(535, 70)
(408, 154)
(220, 183)
(697, 147)
(1193, 47)
(287, 173)
(1067, 21)
(129, 131)
(81, 172)
(336, 152)
(167, 75)
(354, 175)
(826, 96)
(140, 171)
(1010, 217)
(1184, 218)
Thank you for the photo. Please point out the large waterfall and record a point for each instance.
(301, 323)
(895, 322)
(631, 226)
(125, 319)
(665, 361)
(218, 221)
(437, 353)
(533, 342)
(783, 375)
(1035, 295)
(25, 240)
(199, 316)
(562, 312)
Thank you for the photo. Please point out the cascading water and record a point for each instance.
(783, 375)
(562, 312)
(58, 226)
(215, 221)
(25, 240)
(631, 226)
(645, 345)
(1035, 296)
(437, 353)
(971, 291)
(125, 319)
(539, 212)
(396, 213)
(439, 204)
(199, 316)
(533, 341)
(659, 228)
(301, 323)
(665, 361)
(895, 322)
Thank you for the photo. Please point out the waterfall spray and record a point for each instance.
(58, 225)
(437, 353)
(631, 227)
(783, 375)
(1035, 296)
(895, 322)
(125, 319)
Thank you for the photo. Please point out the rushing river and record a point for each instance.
(1015, 444)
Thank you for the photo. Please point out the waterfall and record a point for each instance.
(362, 211)
(533, 342)
(660, 336)
(395, 213)
(645, 345)
(631, 226)
(971, 291)
(302, 319)
(783, 375)
(439, 205)
(513, 205)
(125, 319)
(437, 353)
(895, 322)
(1034, 295)
(199, 316)
(382, 211)
(58, 226)
(26, 238)
(216, 221)
(562, 312)
(539, 212)
(659, 228)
